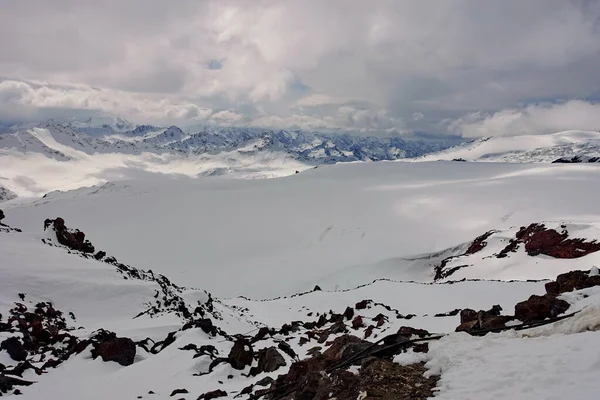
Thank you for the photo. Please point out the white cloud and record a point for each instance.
(36, 95)
(299, 59)
(532, 119)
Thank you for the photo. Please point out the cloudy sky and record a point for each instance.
(469, 67)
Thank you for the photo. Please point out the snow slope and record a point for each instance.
(526, 148)
(336, 226)
(547, 362)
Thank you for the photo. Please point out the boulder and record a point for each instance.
(538, 308)
(120, 350)
(270, 360)
(14, 348)
(241, 354)
(349, 313)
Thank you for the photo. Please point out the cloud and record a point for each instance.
(437, 60)
(18, 95)
(532, 119)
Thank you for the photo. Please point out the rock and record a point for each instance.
(266, 381)
(349, 313)
(120, 350)
(479, 243)
(538, 308)
(73, 239)
(270, 360)
(2, 216)
(408, 332)
(262, 333)
(100, 255)
(317, 288)
(287, 349)
(552, 288)
(369, 331)
(8, 383)
(241, 354)
(213, 395)
(468, 315)
(380, 319)
(361, 305)
(178, 391)
(449, 313)
(358, 322)
(14, 348)
(576, 280)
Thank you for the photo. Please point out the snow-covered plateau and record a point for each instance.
(360, 280)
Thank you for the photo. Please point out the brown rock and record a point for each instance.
(468, 315)
(358, 322)
(538, 308)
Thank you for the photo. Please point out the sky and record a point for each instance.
(461, 67)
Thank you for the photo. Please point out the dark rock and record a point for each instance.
(552, 288)
(449, 313)
(213, 395)
(576, 280)
(479, 243)
(14, 348)
(270, 360)
(538, 308)
(349, 313)
(266, 381)
(262, 334)
(380, 319)
(287, 349)
(241, 354)
(317, 288)
(100, 255)
(120, 350)
(468, 315)
(361, 305)
(369, 331)
(8, 383)
(358, 322)
(178, 391)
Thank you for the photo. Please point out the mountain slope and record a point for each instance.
(195, 355)
(528, 148)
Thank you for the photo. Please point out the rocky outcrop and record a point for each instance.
(73, 239)
(538, 239)
(378, 376)
(535, 308)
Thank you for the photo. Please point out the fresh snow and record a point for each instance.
(337, 226)
(524, 148)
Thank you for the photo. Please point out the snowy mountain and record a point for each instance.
(356, 280)
(61, 156)
(527, 148)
